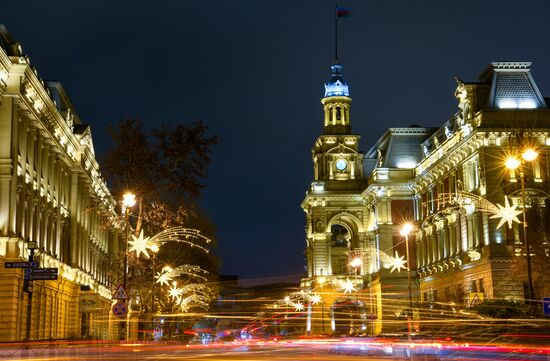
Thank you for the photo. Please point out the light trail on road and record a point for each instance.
(301, 349)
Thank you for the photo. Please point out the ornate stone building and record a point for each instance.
(447, 181)
(51, 194)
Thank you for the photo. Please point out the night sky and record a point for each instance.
(254, 72)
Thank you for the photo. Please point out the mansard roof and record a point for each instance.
(512, 86)
(399, 148)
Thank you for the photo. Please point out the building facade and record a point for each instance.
(52, 195)
(451, 183)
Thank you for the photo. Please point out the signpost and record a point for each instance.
(32, 273)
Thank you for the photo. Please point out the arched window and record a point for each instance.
(340, 236)
(340, 245)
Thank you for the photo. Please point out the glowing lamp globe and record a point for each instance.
(406, 229)
(530, 155)
(129, 199)
(512, 163)
(356, 262)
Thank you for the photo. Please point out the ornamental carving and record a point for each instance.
(33, 97)
(3, 77)
(319, 226)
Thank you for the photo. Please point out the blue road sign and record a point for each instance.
(546, 306)
(41, 274)
(21, 264)
(120, 309)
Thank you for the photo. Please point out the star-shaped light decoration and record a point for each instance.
(315, 299)
(184, 304)
(348, 286)
(298, 306)
(139, 244)
(507, 214)
(397, 263)
(174, 291)
(164, 276)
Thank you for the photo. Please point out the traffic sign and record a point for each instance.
(89, 302)
(120, 294)
(21, 264)
(546, 306)
(41, 274)
(475, 298)
(120, 309)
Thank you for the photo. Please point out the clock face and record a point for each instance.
(341, 164)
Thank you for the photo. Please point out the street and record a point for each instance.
(320, 349)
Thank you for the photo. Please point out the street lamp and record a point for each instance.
(406, 229)
(321, 281)
(154, 248)
(513, 163)
(128, 201)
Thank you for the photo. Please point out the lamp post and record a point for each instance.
(512, 163)
(321, 280)
(128, 201)
(154, 248)
(405, 231)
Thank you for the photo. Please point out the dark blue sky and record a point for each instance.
(254, 72)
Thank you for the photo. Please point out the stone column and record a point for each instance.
(73, 207)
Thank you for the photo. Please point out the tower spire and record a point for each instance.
(339, 12)
(336, 34)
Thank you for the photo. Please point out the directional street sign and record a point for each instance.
(546, 306)
(40, 274)
(21, 264)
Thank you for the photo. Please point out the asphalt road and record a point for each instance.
(283, 351)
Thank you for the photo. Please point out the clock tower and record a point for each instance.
(336, 231)
(336, 158)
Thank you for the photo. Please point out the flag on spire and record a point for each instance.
(342, 12)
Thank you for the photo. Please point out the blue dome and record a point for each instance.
(337, 86)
